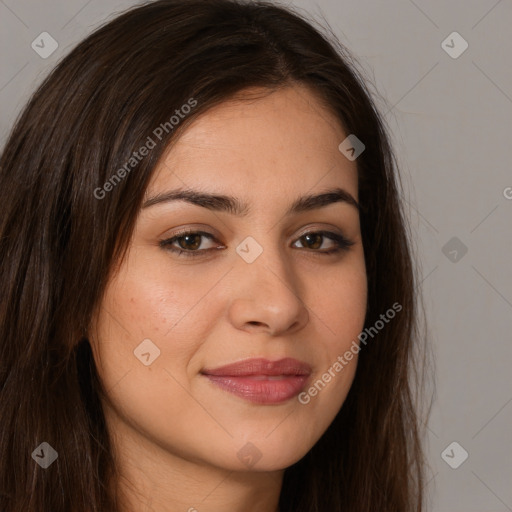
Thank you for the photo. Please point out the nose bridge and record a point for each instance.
(263, 254)
(267, 292)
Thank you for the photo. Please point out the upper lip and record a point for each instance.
(260, 366)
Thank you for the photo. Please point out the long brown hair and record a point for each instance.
(60, 241)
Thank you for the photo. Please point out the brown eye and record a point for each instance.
(190, 241)
(314, 240)
(187, 243)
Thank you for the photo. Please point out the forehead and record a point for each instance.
(284, 140)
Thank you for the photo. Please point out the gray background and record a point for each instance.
(451, 123)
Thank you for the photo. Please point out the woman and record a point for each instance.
(202, 241)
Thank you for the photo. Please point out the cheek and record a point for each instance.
(147, 309)
(163, 296)
(144, 340)
(340, 305)
(150, 300)
(341, 310)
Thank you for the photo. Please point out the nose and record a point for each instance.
(266, 296)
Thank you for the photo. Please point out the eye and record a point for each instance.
(316, 238)
(189, 243)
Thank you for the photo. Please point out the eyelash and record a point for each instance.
(343, 244)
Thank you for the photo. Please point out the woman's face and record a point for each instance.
(258, 283)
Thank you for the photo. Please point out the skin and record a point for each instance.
(176, 435)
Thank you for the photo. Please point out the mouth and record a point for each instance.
(261, 381)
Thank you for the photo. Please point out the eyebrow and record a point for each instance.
(233, 205)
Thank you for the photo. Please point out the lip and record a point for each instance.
(260, 380)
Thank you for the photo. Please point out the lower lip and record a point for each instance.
(262, 391)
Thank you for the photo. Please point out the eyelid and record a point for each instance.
(317, 229)
(189, 231)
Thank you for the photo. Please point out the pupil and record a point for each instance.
(317, 236)
(187, 238)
